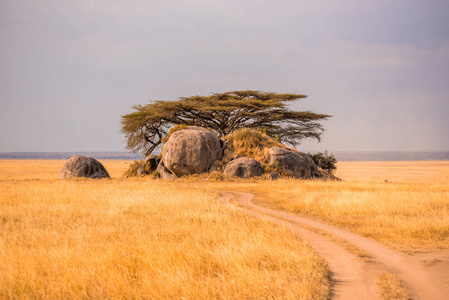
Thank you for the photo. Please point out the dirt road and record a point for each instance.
(353, 278)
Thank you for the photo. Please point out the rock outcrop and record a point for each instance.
(293, 163)
(164, 173)
(326, 175)
(83, 166)
(149, 165)
(141, 170)
(243, 167)
(195, 150)
(152, 161)
(191, 151)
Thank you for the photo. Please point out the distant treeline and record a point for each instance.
(67, 155)
(340, 155)
(390, 155)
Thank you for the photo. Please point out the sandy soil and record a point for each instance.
(426, 276)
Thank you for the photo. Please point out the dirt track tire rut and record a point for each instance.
(351, 277)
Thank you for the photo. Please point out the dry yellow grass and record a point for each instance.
(410, 213)
(242, 141)
(140, 238)
(27, 169)
(392, 288)
(420, 172)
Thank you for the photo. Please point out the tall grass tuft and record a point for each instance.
(250, 143)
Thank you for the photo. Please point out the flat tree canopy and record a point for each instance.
(222, 113)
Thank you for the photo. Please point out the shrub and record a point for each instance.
(132, 170)
(324, 161)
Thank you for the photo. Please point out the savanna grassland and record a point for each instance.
(409, 212)
(147, 238)
(141, 238)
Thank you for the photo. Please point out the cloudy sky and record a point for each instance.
(70, 69)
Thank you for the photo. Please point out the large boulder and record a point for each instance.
(191, 151)
(243, 167)
(164, 173)
(83, 166)
(293, 163)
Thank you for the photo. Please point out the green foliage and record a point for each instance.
(132, 170)
(223, 113)
(173, 130)
(324, 161)
(148, 167)
(176, 128)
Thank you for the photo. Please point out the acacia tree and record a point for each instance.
(222, 113)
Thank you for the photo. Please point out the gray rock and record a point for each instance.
(152, 161)
(141, 170)
(164, 173)
(213, 169)
(243, 167)
(326, 175)
(273, 176)
(191, 151)
(83, 166)
(293, 163)
(149, 165)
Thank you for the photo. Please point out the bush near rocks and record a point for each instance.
(324, 161)
(147, 166)
(133, 168)
(150, 163)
